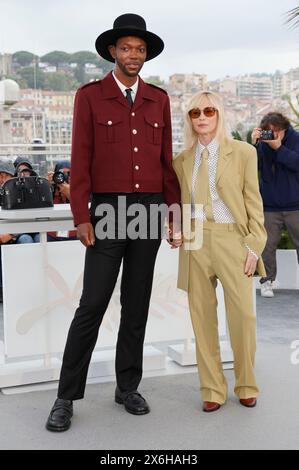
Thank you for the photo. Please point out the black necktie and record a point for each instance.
(129, 96)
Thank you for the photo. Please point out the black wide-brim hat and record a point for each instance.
(129, 24)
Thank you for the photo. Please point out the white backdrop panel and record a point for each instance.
(42, 286)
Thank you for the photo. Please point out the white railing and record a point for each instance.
(34, 149)
(36, 152)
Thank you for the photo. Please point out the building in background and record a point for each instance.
(259, 88)
(47, 115)
(188, 83)
(9, 96)
(5, 65)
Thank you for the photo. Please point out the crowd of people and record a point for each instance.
(22, 166)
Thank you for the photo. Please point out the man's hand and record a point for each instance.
(256, 133)
(85, 233)
(64, 189)
(174, 239)
(275, 144)
(50, 176)
(250, 265)
(5, 238)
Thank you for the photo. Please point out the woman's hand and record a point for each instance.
(174, 239)
(250, 265)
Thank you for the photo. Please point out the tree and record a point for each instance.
(59, 81)
(23, 58)
(236, 135)
(104, 65)
(79, 73)
(27, 74)
(56, 58)
(83, 57)
(155, 80)
(293, 17)
(20, 81)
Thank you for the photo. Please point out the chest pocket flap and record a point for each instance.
(109, 127)
(154, 130)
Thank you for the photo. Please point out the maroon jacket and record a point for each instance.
(116, 148)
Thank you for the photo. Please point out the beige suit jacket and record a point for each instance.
(237, 185)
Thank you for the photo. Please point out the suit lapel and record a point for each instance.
(188, 163)
(139, 100)
(111, 90)
(223, 160)
(144, 92)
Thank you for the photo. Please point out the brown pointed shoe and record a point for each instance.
(249, 402)
(209, 406)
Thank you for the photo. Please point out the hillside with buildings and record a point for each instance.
(38, 111)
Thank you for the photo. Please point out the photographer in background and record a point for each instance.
(23, 167)
(24, 171)
(278, 157)
(6, 173)
(60, 180)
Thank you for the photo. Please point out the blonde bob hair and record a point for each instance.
(190, 136)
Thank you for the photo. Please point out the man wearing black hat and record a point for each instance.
(121, 146)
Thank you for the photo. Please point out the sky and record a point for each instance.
(215, 37)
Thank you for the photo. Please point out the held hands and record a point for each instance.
(174, 239)
(250, 265)
(85, 233)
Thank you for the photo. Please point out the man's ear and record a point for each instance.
(112, 50)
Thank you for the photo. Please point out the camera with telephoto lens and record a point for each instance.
(60, 177)
(267, 134)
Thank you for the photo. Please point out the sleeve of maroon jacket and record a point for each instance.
(171, 188)
(82, 151)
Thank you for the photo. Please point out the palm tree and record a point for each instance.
(293, 17)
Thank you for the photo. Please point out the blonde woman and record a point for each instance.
(219, 184)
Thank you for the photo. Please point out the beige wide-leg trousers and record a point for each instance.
(222, 257)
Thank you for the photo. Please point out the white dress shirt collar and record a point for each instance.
(212, 147)
(123, 87)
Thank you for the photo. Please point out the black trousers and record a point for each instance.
(102, 264)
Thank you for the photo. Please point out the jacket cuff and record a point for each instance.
(81, 220)
(255, 245)
(252, 252)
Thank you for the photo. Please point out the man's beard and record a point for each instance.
(126, 71)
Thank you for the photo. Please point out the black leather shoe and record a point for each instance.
(60, 416)
(134, 402)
